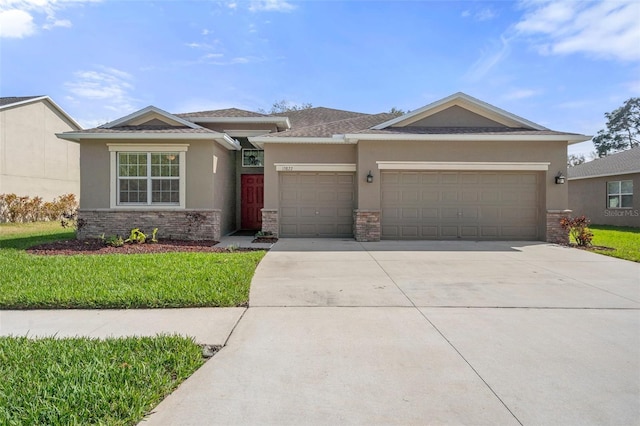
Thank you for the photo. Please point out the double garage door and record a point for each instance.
(415, 204)
(448, 205)
(317, 204)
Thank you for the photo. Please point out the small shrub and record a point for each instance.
(16, 209)
(264, 234)
(578, 228)
(153, 235)
(114, 241)
(136, 236)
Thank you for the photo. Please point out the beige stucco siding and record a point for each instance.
(200, 179)
(225, 188)
(589, 197)
(456, 116)
(369, 152)
(33, 161)
(300, 153)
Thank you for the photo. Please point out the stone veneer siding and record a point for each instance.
(270, 221)
(171, 224)
(366, 225)
(555, 233)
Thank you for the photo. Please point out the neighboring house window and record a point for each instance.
(145, 176)
(620, 194)
(252, 158)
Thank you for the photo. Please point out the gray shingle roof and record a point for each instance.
(4, 101)
(145, 129)
(462, 131)
(229, 112)
(348, 125)
(615, 164)
(315, 116)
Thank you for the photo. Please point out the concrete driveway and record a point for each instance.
(340, 332)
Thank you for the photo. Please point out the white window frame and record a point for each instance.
(619, 194)
(114, 149)
(253, 165)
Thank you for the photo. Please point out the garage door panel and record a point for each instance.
(316, 204)
(474, 205)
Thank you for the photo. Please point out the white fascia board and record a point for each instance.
(246, 133)
(470, 101)
(261, 141)
(284, 121)
(571, 139)
(73, 122)
(138, 136)
(315, 167)
(463, 165)
(605, 175)
(146, 110)
(228, 142)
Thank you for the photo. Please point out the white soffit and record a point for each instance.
(314, 167)
(461, 165)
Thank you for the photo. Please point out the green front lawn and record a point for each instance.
(88, 381)
(625, 241)
(163, 280)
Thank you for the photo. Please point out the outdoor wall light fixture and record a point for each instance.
(369, 177)
(560, 179)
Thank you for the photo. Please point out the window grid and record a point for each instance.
(620, 194)
(146, 178)
(252, 158)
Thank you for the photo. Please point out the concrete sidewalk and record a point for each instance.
(340, 332)
(210, 326)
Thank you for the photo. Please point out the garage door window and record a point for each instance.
(620, 194)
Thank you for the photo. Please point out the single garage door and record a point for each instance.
(471, 205)
(316, 204)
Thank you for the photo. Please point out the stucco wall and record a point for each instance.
(95, 173)
(224, 193)
(589, 197)
(554, 153)
(33, 161)
(299, 153)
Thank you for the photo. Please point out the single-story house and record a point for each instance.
(606, 190)
(458, 168)
(33, 162)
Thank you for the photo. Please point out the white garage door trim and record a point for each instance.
(462, 165)
(315, 167)
(436, 204)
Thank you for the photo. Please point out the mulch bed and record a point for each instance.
(95, 246)
(268, 240)
(591, 248)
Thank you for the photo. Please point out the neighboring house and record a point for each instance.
(457, 168)
(607, 190)
(33, 161)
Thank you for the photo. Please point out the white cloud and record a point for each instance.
(110, 88)
(271, 6)
(21, 18)
(603, 29)
(520, 94)
(489, 58)
(15, 23)
(485, 14)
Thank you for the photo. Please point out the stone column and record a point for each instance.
(555, 233)
(270, 221)
(366, 225)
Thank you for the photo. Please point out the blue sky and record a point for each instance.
(560, 64)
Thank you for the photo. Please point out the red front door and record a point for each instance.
(251, 201)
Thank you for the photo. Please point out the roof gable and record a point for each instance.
(148, 116)
(16, 101)
(460, 110)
